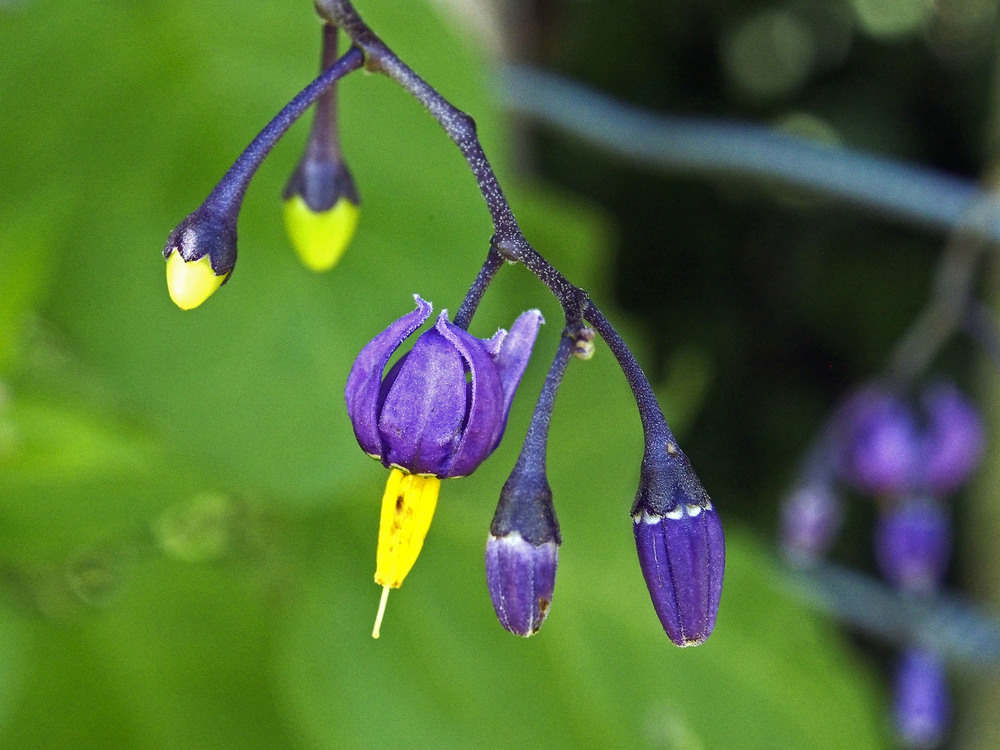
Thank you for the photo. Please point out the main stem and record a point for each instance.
(508, 241)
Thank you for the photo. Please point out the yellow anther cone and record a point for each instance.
(407, 510)
(191, 283)
(320, 237)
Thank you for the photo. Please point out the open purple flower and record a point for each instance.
(442, 408)
(437, 413)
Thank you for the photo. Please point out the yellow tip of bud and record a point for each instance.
(320, 237)
(407, 510)
(191, 283)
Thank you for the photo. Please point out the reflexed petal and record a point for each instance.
(485, 417)
(362, 391)
(420, 421)
(515, 351)
(682, 556)
(521, 578)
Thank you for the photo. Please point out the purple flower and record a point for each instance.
(681, 548)
(810, 518)
(442, 408)
(880, 443)
(913, 544)
(953, 441)
(921, 705)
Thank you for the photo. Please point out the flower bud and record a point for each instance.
(953, 441)
(200, 255)
(321, 211)
(680, 543)
(321, 200)
(810, 519)
(880, 443)
(522, 552)
(913, 544)
(921, 704)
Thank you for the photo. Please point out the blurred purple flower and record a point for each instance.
(810, 519)
(913, 543)
(953, 441)
(879, 443)
(922, 706)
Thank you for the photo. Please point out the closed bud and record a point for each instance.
(200, 255)
(322, 209)
(522, 551)
(521, 578)
(678, 536)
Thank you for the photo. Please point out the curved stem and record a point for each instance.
(534, 449)
(228, 193)
(493, 263)
(324, 142)
(654, 425)
(508, 241)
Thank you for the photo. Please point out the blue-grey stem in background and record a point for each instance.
(713, 147)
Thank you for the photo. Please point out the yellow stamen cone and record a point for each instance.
(191, 283)
(407, 509)
(320, 237)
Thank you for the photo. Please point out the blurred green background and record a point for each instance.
(187, 527)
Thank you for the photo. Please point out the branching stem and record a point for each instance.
(508, 242)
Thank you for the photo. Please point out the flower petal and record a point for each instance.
(362, 391)
(514, 353)
(420, 421)
(484, 421)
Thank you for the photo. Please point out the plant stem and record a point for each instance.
(227, 195)
(508, 241)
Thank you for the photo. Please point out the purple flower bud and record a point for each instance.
(810, 519)
(880, 443)
(521, 577)
(442, 408)
(913, 544)
(922, 707)
(681, 548)
(953, 441)
(523, 549)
